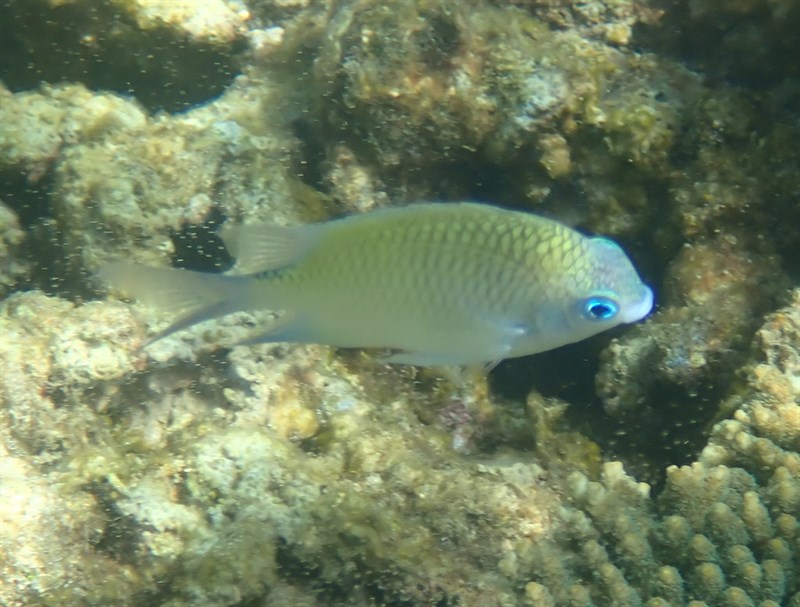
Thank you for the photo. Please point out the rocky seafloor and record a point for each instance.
(658, 465)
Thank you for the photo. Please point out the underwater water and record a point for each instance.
(655, 462)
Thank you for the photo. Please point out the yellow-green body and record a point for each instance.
(439, 283)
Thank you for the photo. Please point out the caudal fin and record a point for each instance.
(195, 296)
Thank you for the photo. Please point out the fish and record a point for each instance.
(435, 284)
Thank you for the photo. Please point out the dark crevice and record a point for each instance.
(199, 247)
(102, 48)
(29, 200)
(120, 537)
(662, 436)
(727, 46)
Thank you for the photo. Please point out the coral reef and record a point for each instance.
(127, 184)
(724, 531)
(474, 83)
(281, 465)
(611, 21)
(691, 351)
(195, 472)
(764, 432)
(211, 479)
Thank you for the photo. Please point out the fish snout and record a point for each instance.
(641, 308)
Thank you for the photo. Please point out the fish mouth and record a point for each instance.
(641, 309)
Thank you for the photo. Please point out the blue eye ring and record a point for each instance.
(599, 307)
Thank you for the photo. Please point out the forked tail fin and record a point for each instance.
(194, 296)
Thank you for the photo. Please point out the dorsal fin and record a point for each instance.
(260, 247)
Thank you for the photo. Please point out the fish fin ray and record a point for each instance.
(489, 365)
(288, 327)
(215, 310)
(421, 359)
(195, 296)
(169, 289)
(260, 247)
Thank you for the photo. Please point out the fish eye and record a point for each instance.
(600, 308)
